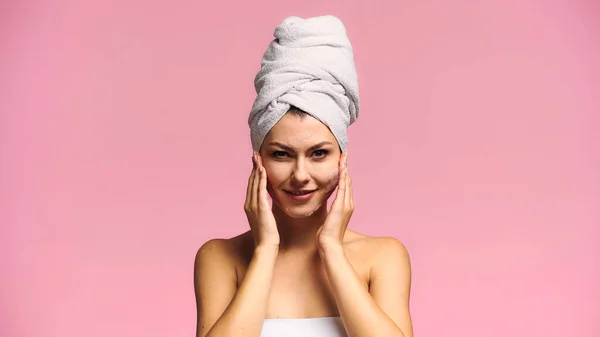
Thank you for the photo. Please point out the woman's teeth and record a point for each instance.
(300, 193)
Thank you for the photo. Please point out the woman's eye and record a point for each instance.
(320, 153)
(279, 154)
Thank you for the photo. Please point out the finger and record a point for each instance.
(262, 181)
(348, 192)
(254, 193)
(259, 162)
(348, 189)
(342, 183)
(340, 194)
(339, 200)
(262, 188)
(249, 187)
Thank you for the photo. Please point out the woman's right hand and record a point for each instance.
(257, 208)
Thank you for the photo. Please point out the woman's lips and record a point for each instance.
(300, 197)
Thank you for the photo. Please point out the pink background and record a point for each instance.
(124, 146)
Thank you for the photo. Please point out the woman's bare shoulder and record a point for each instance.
(225, 251)
(375, 248)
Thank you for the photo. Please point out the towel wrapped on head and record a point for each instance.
(309, 65)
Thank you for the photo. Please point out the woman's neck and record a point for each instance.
(299, 233)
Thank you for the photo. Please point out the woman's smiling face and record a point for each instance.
(301, 156)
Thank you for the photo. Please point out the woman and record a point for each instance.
(299, 271)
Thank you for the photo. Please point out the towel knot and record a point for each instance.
(308, 65)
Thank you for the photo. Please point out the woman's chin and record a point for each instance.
(300, 211)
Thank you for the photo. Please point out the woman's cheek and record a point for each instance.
(331, 180)
(275, 174)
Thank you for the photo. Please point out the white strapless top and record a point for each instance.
(303, 327)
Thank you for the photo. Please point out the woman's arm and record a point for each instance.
(384, 309)
(224, 310)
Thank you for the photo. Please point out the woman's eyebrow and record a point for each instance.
(318, 145)
(287, 148)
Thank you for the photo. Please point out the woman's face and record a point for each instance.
(301, 156)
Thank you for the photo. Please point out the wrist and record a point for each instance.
(266, 250)
(331, 248)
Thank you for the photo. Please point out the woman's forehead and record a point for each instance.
(300, 137)
(303, 128)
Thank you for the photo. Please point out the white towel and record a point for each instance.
(309, 65)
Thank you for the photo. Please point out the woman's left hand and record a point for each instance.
(332, 231)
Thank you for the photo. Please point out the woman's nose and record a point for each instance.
(300, 172)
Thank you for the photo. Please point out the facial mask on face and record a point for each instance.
(333, 179)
